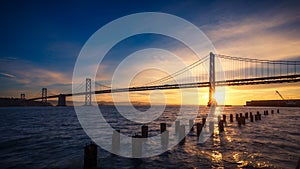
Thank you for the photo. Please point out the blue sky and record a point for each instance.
(40, 40)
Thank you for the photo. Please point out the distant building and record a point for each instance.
(274, 103)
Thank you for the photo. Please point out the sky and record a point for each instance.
(41, 40)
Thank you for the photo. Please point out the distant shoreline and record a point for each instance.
(16, 102)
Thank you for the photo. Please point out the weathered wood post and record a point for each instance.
(177, 126)
(221, 126)
(90, 156)
(211, 127)
(243, 120)
(137, 146)
(219, 118)
(181, 135)
(115, 147)
(246, 115)
(239, 121)
(144, 131)
(203, 121)
(199, 128)
(165, 138)
(298, 164)
(251, 117)
(191, 124)
(224, 118)
(163, 127)
(231, 118)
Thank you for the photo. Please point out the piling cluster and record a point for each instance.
(241, 119)
(90, 151)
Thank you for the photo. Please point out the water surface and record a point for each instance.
(51, 137)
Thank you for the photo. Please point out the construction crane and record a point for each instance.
(279, 94)
(286, 101)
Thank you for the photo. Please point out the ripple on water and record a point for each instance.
(50, 137)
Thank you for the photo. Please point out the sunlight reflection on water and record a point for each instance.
(52, 138)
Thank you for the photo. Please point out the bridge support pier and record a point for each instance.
(61, 100)
(212, 79)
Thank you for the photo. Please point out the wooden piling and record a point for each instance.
(221, 126)
(251, 117)
(219, 118)
(231, 118)
(163, 127)
(278, 111)
(298, 164)
(272, 111)
(203, 121)
(199, 128)
(90, 156)
(115, 141)
(177, 126)
(137, 146)
(255, 117)
(145, 131)
(239, 120)
(211, 127)
(243, 120)
(181, 135)
(165, 138)
(191, 124)
(237, 117)
(224, 118)
(246, 115)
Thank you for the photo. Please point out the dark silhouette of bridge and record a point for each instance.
(221, 70)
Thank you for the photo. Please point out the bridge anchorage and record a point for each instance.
(237, 71)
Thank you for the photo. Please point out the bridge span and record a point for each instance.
(244, 71)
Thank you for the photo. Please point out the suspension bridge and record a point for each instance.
(210, 71)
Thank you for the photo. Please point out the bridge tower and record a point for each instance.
(22, 96)
(212, 79)
(88, 92)
(44, 95)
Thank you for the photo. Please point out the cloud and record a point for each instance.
(25, 76)
(44, 77)
(257, 36)
(7, 75)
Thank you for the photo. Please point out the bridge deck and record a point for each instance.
(234, 82)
